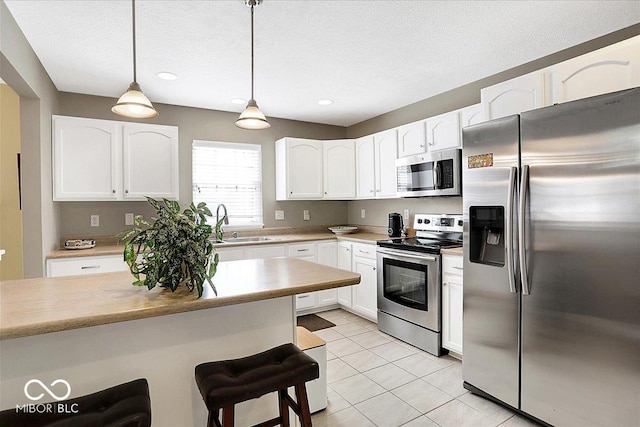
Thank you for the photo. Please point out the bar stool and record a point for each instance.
(225, 383)
(125, 405)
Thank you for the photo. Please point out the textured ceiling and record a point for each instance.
(370, 57)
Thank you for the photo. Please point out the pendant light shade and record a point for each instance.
(252, 118)
(134, 103)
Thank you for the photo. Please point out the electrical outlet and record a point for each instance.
(362, 213)
(406, 215)
(95, 220)
(305, 215)
(279, 215)
(128, 219)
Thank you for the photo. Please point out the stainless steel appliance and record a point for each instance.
(430, 174)
(410, 282)
(551, 261)
(396, 225)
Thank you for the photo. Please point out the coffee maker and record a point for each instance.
(396, 225)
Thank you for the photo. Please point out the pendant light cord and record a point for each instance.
(251, 50)
(133, 20)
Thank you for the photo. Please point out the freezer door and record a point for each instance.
(490, 299)
(581, 319)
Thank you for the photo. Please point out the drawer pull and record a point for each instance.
(84, 267)
(303, 250)
(303, 296)
(457, 268)
(363, 252)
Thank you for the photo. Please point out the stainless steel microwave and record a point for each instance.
(430, 174)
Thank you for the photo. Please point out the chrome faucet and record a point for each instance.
(225, 217)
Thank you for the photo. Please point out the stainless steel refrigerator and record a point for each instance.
(552, 261)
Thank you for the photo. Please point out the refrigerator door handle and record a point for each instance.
(524, 189)
(509, 229)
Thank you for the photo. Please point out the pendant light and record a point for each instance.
(252, 118)
(134, 103)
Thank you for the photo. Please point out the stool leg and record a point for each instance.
(303, 404)
(284, 408)
(228, 416)
(214, 420)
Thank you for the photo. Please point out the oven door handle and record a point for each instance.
(405, 255)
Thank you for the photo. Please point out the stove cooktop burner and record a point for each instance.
(419, 244)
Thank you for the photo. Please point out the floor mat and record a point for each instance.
(313, 322)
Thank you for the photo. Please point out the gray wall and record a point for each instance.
(23, 72)
(196, 123)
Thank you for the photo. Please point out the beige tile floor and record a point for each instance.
(377, 380)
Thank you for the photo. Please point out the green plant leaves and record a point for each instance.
(174, 248)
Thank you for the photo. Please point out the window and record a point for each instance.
(231, 174)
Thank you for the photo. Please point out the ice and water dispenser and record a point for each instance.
(486, 235)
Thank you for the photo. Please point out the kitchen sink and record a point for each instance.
(248, 239)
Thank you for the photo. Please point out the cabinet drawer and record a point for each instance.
(302, 250)
(85, 265)
(363, 250)
(452, 264)
(306, 300)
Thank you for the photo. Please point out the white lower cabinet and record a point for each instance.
(364, 297)
(85, 265)
(452, 303)
(327, 254)
(344, 263)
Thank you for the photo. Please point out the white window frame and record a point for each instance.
(214, 204)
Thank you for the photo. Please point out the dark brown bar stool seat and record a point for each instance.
(223, 384)
(125, 405)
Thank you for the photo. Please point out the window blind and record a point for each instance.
(231, 174)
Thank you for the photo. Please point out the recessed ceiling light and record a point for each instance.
(325, 102)
(238, 101)
(165, 75)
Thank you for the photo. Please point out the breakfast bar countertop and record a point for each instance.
(40, 306)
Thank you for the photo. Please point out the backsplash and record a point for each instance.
(377, 211)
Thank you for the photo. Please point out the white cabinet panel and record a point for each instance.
(298, 169)
(230, 254)
(339, 159)
(85, 265)
(386, 153)
(610, 69)
(86, 155)
(150, 156)
(365, 169)
(514, 96)
(364, 296)
(472, 115)
(443, 131)
(452, 303)
(327, 254)
(344, 263)
(265, 251)
(97, 160)
(412, 139)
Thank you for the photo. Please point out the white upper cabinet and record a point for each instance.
(365, 170)
(412, 139)
(85, 158)
(97, 160)
(514, 96)
(150, 156)
(339, 169)
(471, 115)
(443, 131)
(609, 69)
(386, 152)
(298, 169)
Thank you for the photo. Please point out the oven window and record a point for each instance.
(405, 283)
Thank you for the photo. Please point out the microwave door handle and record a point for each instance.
(437, 174)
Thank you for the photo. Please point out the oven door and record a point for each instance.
(409, 286)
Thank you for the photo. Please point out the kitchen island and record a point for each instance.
(96, 331)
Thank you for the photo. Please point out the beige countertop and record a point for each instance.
(452, 251)
(115, 249)
(39, 306)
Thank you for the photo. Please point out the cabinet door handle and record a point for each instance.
(113, 191)
(370, 191)
(374, 269)
(126, 191)
(444, 284)
(84, 267)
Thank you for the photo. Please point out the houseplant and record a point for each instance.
(173, 248)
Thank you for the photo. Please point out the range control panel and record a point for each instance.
(437, 222)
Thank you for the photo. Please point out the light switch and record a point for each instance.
(279, 215)
(95, 220)
(305, 215)
(128, 219)
(406, 215)
(362, 213)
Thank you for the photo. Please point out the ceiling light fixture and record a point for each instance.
(134, 103)
(252, 118)
(238, 101)
(166, 75)
(325, 102)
